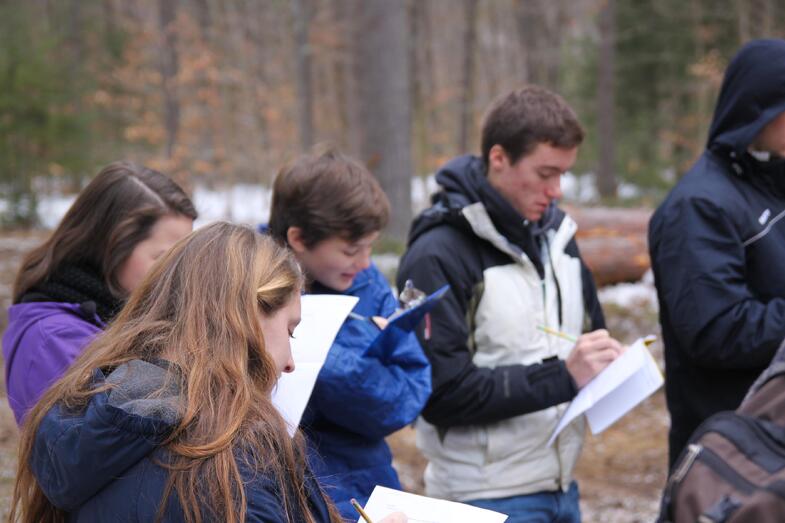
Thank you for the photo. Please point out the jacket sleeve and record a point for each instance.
(701, 264)
(52, 350)
(463, 393)
(377, 388)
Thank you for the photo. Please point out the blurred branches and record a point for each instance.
(220, 92)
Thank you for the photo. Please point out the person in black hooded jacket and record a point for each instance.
(716, 243)
(500, 384)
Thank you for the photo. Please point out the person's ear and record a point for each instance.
(294, 237)
(497, 159)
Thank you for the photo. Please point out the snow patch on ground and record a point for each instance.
(243, 203)
(628, 295)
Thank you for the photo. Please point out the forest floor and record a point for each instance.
(621, 471)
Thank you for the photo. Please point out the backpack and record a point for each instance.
(733, 468)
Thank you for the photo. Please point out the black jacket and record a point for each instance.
(717, 243)
(443, 249)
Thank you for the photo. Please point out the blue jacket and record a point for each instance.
(364, 392)
(717, 247)
(100, 464)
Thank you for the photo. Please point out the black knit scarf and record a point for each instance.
(77, 284)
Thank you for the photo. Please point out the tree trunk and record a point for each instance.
(344, 13)
(743, 16)
(467, 81)
(301, 15)
(540, 35)
(613, 242)
(606, 176)
(382, 73)
(167, 13)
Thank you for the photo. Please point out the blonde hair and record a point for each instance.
(199, 306)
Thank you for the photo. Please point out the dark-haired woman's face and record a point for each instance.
(164, 234)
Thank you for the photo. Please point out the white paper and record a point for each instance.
(420, 509)
(321, 318)
(628, 380)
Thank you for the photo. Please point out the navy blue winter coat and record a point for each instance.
(100, 465)
(717, 247)
(366, 390)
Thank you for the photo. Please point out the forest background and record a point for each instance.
(218, 93)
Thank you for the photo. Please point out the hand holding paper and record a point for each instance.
(630, 379)
(408, 319)
(405, 319)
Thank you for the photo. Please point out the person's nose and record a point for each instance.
(289, 365)
(553, 190)
(363, 260)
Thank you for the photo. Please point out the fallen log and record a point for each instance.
(613, 242)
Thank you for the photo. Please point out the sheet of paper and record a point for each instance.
(630, 379)
(321, 318)
(420, 509)
(643, 383)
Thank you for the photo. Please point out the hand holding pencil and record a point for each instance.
(395, 517)
(593, 352)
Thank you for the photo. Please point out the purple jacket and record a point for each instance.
(40, 343)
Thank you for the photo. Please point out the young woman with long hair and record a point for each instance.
(168, 416)
(72, 285)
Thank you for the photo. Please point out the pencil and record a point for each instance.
(359, 317)
(355, 316)
(360, 510)
(560, 334)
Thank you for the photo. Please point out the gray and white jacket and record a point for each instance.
(500, 384)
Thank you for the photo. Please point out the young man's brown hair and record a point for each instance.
(519, 120)
(326, 195)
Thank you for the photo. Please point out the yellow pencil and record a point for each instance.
(560, 334)
(360, 510)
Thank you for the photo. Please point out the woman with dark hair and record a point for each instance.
(170, 409)
(71, 286)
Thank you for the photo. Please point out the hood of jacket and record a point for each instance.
(463, 182)
(76, 454)
(752, 95)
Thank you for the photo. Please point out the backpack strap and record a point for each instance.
(766, 399)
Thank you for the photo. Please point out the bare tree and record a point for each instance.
(540, 35)
(606, 179)
(301, 17)
(167, 13)
(382, 71)
(467, 82)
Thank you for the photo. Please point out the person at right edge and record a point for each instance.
(500, 384)
(717, 246)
